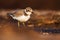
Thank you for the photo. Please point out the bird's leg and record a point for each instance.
(24, 24)
(18, 24)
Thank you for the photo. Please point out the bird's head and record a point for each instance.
(28, 10)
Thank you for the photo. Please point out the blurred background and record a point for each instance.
(42, 26)
(36, 4)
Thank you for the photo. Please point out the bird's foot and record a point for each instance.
(24, 24)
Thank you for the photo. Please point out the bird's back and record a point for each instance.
(19, 13)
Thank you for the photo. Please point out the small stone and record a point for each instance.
(31, 25)
(39, 24)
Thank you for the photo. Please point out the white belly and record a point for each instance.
(22, 18)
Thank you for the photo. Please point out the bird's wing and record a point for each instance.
(19, 12)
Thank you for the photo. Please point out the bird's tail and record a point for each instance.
(10, 14)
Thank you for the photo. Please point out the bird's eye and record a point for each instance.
(27, 10)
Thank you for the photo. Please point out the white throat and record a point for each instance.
(28, 13)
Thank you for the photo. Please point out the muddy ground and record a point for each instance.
(10, 31)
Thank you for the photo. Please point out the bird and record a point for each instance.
(21, 15)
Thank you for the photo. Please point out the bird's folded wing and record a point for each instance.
(19, 13)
